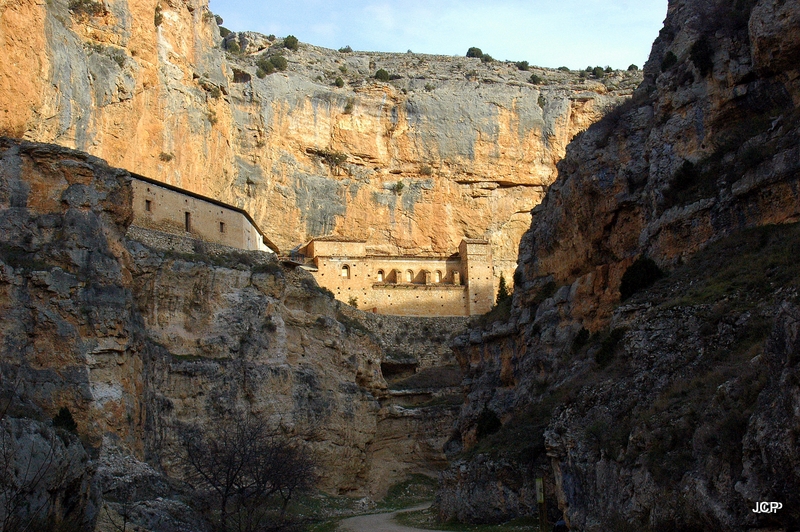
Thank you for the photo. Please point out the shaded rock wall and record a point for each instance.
(668, 411)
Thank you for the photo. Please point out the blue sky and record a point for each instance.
(549, 33)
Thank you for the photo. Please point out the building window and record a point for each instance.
(187, 221)
(222, 227)
(438, 276)
(380, 276)
(148, 205)
(409, 276)
(346, 271)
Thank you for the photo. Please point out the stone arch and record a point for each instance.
(409, 276)
(380, 276)
(437, 278)
(345, 271)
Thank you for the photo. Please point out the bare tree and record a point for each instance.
(247, 470)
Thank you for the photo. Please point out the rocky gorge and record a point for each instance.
(646, 369)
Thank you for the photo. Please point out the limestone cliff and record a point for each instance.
(135, 342)
(672, 409)
(149, 86)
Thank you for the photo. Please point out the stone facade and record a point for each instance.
(457, 285)
(161, 207)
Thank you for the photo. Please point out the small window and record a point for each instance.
(346, 271)
(438, 276)
(187, 221)
(409, 276)
(380, 276)
(148, 205)
(222, 227)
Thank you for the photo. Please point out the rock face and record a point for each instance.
(135, 342)
(150, 87)
(669, 411)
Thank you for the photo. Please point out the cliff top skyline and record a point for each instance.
(573, 33)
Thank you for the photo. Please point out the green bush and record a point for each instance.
(345, 49)
(218, 20)
(669, 61)
(598, 72)
(265, 67)
(233, 47)
(702, 55)
(523, 65)
(87, 7)
(339, 82)
(536, 80)
(640, 275)
(224, 32)
(158, 17)
(563, 69)
(291, 43)
(382, 75)
(609, 70)
(474, 52)
(429, 87)
(349, 106)
(633, 68)
(279, 62)
(502, 290)
(486, 58)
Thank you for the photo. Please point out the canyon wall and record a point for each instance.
(137, 342)
(149, 87)
(672, 409)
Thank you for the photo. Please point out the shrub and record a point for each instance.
(88, 8)
(233, 47)
(215, 92)
(502, 290)
(523, 65)
(291, 43)
(640, 275)
(166, 157)
(598, 72)
(426, 170)
(353, 301)
(212, 117)
(633, 68)
(345, 49)
(486, 58)
(474, 52)
(608, 347)
(398, 187)
(702, 55)
(279, 62)
(265, 67)
(343, 69)
(348, 107)
(224, 32)
(609, 70)
(218, 20)
(563, 69)
(339, 82)
(669, 61)
(536, 80)
(488, 423)
(382, 75)
(158, 17)
(64, 420)
(429, 87)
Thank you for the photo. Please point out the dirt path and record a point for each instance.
(380, 522)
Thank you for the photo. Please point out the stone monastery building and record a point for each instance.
(170, 209)
(458, 285)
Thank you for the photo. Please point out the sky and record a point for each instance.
(547, 33)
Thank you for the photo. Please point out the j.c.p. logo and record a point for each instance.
(767, 507)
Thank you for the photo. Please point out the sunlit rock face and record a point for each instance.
(150, 87)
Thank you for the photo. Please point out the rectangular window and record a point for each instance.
(187, 219)
(148, 206)
(222, 227)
